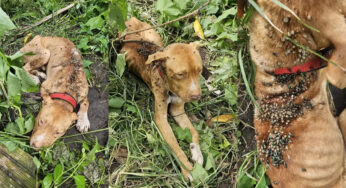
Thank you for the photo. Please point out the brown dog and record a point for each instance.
(297, 135)
(173, 76)
(65, 87)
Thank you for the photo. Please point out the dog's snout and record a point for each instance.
(195, 97)
(33, 144)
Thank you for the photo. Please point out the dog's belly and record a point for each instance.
(315, 158)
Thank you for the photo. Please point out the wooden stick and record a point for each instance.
(49, 17)
(177, 19)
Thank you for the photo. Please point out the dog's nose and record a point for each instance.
(195, 97)
(33, 144)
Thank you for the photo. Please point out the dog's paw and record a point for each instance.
(42, 75)
(83, 123)
(36, 79)
(186, 174)
(196, 153)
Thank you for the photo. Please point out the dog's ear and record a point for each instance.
(157, 56)
(41, 54)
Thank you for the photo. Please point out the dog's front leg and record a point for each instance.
(167, 133)
(178, 112)
(83, 123)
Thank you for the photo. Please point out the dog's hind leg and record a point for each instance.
(167, 133)
(178, 112)
(83, 123)
(34, 62)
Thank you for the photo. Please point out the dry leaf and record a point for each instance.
(27, 37)
(198, 28)
(222, 118)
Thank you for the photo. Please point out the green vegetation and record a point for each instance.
(136, 154)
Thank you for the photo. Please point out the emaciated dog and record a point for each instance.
(172, 74)
(297, 136)
(65, 87)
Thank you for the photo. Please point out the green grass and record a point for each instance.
(136, 154)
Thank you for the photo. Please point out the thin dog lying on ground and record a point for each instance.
(65, 87)
(297, 135)
(172, 74)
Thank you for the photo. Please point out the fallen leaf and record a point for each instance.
(27, 37)
(222, 118)
(198, 29)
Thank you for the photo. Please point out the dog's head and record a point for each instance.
(181, 65)
(51, 123)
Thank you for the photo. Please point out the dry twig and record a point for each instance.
(49, 17)
(169, 22)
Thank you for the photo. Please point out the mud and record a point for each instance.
(98, 107)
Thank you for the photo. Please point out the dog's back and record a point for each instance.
(137, 52)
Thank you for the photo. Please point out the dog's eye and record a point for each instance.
(180, 75)
(58, 132)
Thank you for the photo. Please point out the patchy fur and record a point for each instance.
(297, 135)
(65, 74)
(180, 66)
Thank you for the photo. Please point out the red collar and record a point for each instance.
(66, 97)
(160, 71)
(310, 65)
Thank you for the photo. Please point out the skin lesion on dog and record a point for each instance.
(64, 75)
(294, 131)
(172, 74)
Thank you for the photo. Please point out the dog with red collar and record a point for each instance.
(64, 90)
(297, 136)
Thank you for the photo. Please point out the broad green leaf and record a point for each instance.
(79, 181)
(130, 108)
(117, 14)
(37, 162)
(120, 64)
(231, 94)
(95, 23)
(199, 174)
(243, 181)
(47, 181)
(11, 146)
(3, 69)
(16, 127)
(210, 163)
(58, 171)
(13, 85)
(17, 55)
(181, 4)
(83, 44)
(225, 35)
(5, 23)
(27, 83)
(182, 134)
(172, 11)
(29, 123)
(116, 102)
(225, 14)
(150, 138)
(262, 181)
(87, 63)
(162, 5)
